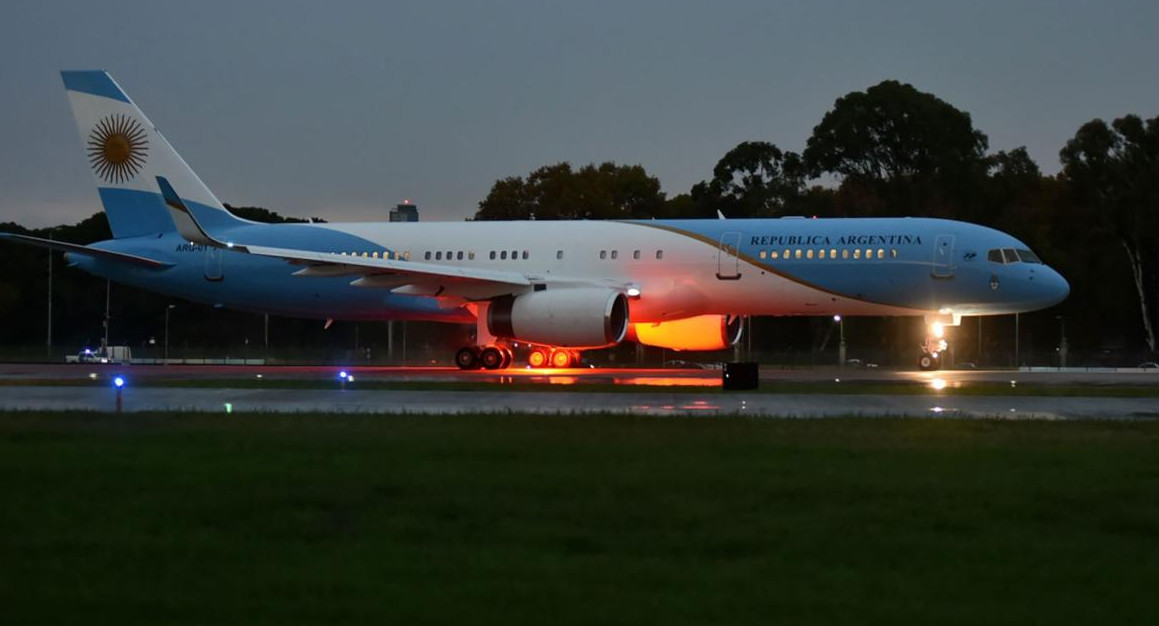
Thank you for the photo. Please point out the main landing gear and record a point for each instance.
(497, 357)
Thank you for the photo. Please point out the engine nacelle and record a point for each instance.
(704, 332)
(581, 317)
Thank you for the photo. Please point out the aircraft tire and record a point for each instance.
(467, 358)
(538, 358)
(928, 362)
(491, 358)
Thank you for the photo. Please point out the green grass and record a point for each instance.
(199, 519)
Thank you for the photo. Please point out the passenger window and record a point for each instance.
(439, 255)
(559, 254)
(603, 254)
(893, 253)
(763, 254)
(881, 253)
(821, 254)
(636, 255)
(785, 256)
(659, 255)
(615, 253)
(492, 255)
(1009, 255)
(406, 255)
(809, 253)
(868, 253)
(774, 254)
(503, 255)
(797, 253)
(845, 253)
(427, 256)
(857, 253)
(459, 255)
(525, 254)
(514, 254)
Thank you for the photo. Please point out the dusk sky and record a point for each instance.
(343, 109)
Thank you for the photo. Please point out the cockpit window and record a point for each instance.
(1011, 255)
(1026, 256)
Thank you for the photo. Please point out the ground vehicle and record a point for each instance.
(113, 354)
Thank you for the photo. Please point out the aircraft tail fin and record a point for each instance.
(128, 155)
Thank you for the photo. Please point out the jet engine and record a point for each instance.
(580, 317)
(704, 332)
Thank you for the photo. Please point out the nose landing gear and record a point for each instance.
(934, 346)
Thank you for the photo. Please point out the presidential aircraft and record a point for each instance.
(559, 287)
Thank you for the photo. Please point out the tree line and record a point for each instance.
(893, 150)
(890, 150)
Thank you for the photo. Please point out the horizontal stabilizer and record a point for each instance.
(73, 248)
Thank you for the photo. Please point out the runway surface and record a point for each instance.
(700, 392)
(567, 403)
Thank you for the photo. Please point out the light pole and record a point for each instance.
(840, 346)
(1062, 347)
(48, 338)
(167, 310)
(108, 298)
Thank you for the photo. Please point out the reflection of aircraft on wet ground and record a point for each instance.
(559, 286)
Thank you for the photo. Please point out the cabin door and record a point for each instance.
(213, 264)
(944, 256)
(727, 261)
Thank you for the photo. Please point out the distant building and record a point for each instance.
(405, 212)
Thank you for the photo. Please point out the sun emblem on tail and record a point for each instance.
(117, 148)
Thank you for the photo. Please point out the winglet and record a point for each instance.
(174, 201)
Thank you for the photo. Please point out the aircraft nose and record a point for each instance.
(1054, 287)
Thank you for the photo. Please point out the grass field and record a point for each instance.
(198, 519)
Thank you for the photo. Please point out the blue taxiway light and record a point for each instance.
(119, 382)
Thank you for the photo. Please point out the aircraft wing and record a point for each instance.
(73, 248)
(425, 279)
(400, 276)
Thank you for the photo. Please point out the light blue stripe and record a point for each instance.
(96, 82)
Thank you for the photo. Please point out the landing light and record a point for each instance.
(938, 330)
(836, 318)
(633, 292)
(343, 375)
(938, 384)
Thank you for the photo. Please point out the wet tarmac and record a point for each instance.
(699, 393)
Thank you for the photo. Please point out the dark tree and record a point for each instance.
(557, 192)
(1113, 171)
(907, 152)
(754, 179)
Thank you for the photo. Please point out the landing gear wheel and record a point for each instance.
(929, 362)
(467, 358)
(564, 358)
(508, 358)
(491, 358)
(537, 358)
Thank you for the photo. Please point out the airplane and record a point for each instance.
(560, 287)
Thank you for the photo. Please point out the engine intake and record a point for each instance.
(581, 317)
